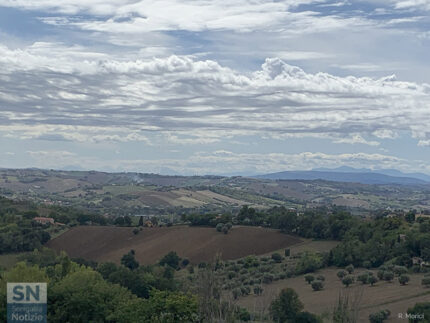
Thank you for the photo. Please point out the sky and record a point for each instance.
(194, 87)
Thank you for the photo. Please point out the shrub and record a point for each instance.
(276, 257)
(372, 280)
(348, 280)
(219, 227)
(367, 264)
(349, 269)
(308, 262)
(403, 279)
(388, 276)
(267, 278)
(135, 230)
(229, 225)
(317, 285)
(225, 229)
(341, 274)
(379, 317)
(231, 274)
(185, 262)
(400, 270)
(363, 278)
(287, 252)
(321, 278)
(380, 274)
(309, 278)
(202, 265)
(258, 290)
(236, 293)
(425, 282)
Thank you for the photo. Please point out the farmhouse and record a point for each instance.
(43, 220)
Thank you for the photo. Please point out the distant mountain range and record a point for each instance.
(355, 175)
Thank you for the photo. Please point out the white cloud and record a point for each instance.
(79, 95)
(418, 4)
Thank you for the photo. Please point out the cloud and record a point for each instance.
(79, 95)
(417, 4)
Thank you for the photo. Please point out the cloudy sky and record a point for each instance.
(215, 87)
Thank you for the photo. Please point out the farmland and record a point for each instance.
(136, 193)
(383, 295)
(197, 244)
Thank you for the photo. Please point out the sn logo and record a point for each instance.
(18, 294)
(30, 293)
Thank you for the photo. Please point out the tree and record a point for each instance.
(388, 276)
(425, 282)
(372, 280)
(403, 279)
(84, 296)
(308, 262)
(309, 278)
(140, 221)
(348, 280)
(317, 285)
(129, 261)
(379, 317)
(341, 274)
(306, 317)
(363, 278)
(277, 257)
(171, 259)
(286, 306)
(225, 229)
(349, 269)
(421, 310)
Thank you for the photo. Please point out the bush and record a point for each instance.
(372, 280)
(258, 290)
(425, 282)
(403, 279)
(225, 229)
(277, 257)
(388, 276)
(202, 265)
(185, 262)
(243, 315)
(236, 293)
(287, 252)
(341, 274)
(170, 259)
(308, 262)
(267, 278)
(400, 270)
(379, 317)
(367, 264)
(349, 269)
(348, 280)
(363, 278)
(321, 278)
(135, 230)
(219, 227)
(317, 285)
(309, 278)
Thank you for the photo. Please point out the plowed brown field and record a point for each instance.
(195, 243)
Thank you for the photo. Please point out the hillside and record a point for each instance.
(195, 243)
(134, 194)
